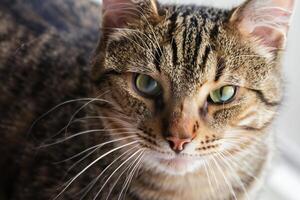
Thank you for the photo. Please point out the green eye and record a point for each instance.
(147, 86)
(223, 95)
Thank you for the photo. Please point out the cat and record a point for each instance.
(176, 102)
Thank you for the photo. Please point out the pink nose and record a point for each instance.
(177, 144)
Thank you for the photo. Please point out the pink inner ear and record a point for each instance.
(272, 27)
(116, 12)
(111, 21)
(115, 4)
(270, 37)
(267, 20)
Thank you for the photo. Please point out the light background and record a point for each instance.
(284, 181)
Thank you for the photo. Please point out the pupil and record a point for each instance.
(223, 95)
(147, 84)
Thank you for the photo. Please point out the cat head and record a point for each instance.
(191, 82)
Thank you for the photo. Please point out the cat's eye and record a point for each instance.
(223, 95)
(147, 86)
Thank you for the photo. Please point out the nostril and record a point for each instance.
(171, 143)
(178, 144)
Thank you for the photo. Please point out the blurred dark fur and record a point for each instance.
(45, 48)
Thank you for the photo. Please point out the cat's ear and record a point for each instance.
(121, 13)
(265, 20)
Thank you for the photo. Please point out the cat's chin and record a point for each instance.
(173, 164)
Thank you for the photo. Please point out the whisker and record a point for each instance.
(91, 164)
(115, 172)
(117, 180)
(58, 106)
(245, 168)
(209, 180)
(134, 42)
(82, 107)
(94, 148)
(82, 121)
(97, 148)
(139, 164)
(106, 117)
(234, 173)
(219, 189)
(241, 151)
(225, 178)
(91, 185)
(130, 176)
(79, 134)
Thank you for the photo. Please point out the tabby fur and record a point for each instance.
(58, 101)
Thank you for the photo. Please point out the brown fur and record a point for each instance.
(189, 50)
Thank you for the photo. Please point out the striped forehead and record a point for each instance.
(188, 56)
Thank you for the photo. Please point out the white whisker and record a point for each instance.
(225, 178)
(60, 105)
(82, 107)
(91, 185)
(130, 176)
(115, 172)
(82, 133)
(92, 163)
(212, 192)
(234, 173)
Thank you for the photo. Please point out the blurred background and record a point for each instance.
(284, 179)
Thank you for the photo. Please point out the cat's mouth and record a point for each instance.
(176, 164)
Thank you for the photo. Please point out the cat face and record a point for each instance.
(189, 82)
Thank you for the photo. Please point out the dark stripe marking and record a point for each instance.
(251, 128)
(214, 32)
(172, 28)
(157, 58)
(184, 38)
(206, 55)
(220, 68)
(262, 97)
(172, 25)
(198, 42)
(174, 52)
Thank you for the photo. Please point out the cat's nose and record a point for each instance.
(178, 144)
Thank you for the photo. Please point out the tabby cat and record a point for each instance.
(177, 104)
